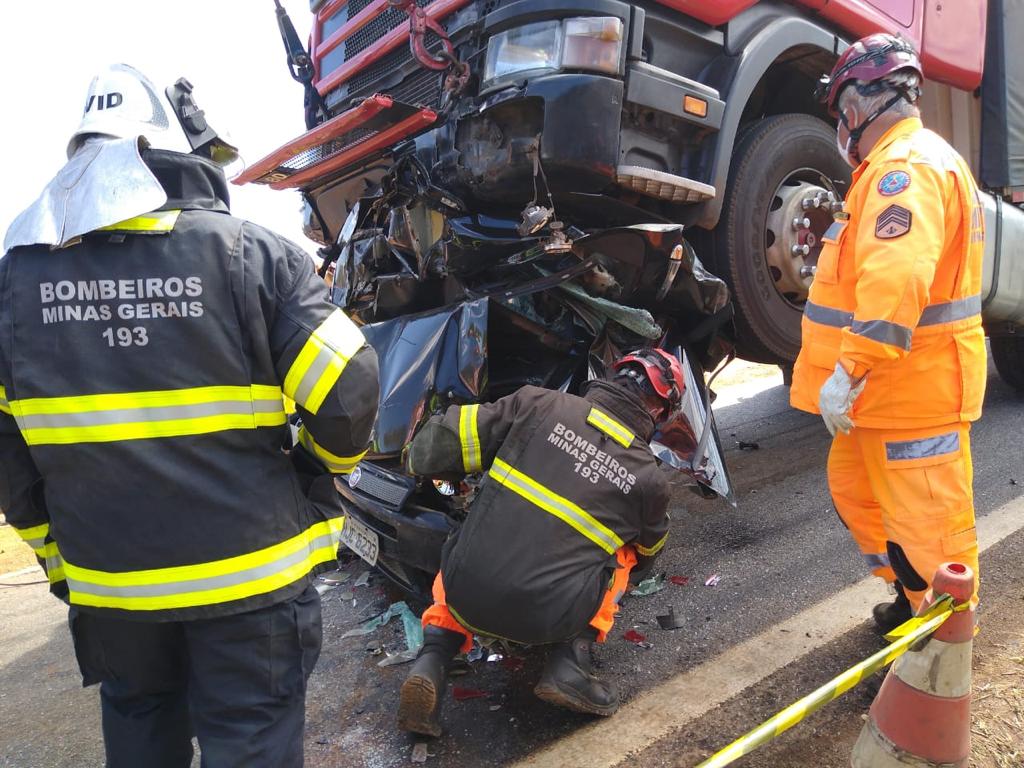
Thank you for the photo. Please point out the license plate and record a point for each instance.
(360, 539)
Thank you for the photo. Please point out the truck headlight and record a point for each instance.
(530, 48)
(592, 43)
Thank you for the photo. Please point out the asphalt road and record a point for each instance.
(779, 552)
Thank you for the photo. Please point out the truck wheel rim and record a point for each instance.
(799, 213)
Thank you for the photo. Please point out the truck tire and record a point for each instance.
(1008, 355)
(778, 162)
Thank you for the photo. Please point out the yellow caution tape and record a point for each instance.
(923, 626)
(943, 603)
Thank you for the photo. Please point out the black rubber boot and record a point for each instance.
(568, 680)
(419, 704)
(888, 616)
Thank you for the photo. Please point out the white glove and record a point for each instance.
(836, 398)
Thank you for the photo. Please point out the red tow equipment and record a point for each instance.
(376, 123)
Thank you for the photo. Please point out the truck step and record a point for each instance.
(664, 186)
(374, 124)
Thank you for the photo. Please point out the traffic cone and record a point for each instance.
(922, 714)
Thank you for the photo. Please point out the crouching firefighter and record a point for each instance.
(571, 503)
(147, 340)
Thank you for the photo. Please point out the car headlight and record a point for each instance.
(588, 43)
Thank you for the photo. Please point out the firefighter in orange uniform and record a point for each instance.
(893, 354)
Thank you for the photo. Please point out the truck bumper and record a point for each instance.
(578, 120)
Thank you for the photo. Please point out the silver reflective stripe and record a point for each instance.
(835, 229)
(926, 447)
(312, 375)
(891, 333)
(551, 502)
(884, 332)
(37, 544)
(827, 316)
(951, 311)
(139, 415)
(876, 561)
(210, 582)
(526, 490)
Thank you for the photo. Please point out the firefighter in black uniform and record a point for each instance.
(572, 503)
(148, 340)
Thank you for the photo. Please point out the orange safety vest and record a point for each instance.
(897, 292)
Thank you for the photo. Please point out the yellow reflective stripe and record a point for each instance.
(610, 427)
(35, 532)
(559, 506)
(138, 415)
(157, 221)
(35, 537)
(54, 562)
(152, 399)
(648, 551)
(476, 630)
(221, 581)
(340, 465)
(5, 407)
(321, 360)
(469, 436)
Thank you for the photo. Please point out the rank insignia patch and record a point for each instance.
(893, 183)
(893, 222)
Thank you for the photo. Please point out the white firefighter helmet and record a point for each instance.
(122, 102)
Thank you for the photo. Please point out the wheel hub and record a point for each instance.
(799, 214)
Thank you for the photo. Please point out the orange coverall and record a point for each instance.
(897, 298)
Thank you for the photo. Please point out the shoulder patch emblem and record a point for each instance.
(894, 221)
(893, 183)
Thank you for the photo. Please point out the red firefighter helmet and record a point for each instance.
(662, 369)
(870, 60)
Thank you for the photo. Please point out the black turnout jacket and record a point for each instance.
(568, 482)
(144, 372)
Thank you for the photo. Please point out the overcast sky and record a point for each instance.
(229, 49)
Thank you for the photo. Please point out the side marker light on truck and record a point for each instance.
(694, 106)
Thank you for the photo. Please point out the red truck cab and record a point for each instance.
(632, 152)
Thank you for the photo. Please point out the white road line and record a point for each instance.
(692, 694)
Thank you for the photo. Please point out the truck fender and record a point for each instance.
(757, 57)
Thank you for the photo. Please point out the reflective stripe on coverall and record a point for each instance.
(896, 297)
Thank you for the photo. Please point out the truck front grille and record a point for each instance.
(421, 86)
(376, 29)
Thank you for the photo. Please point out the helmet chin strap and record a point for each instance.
(856, 133)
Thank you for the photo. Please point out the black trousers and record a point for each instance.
(237, 683)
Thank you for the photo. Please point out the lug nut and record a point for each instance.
(799, 223)
(810, 202)
(807, 271)
(800, 250)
